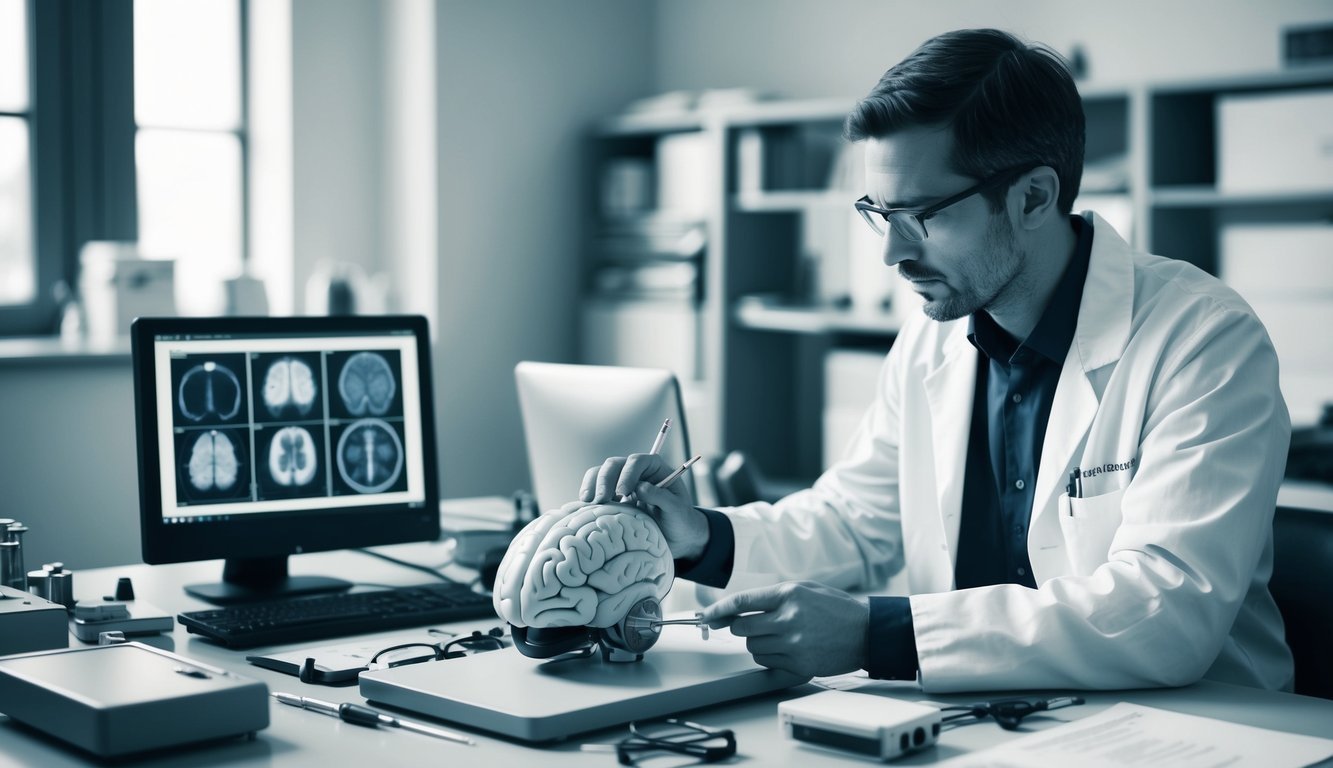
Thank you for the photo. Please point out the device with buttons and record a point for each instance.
(868, 724)
(30, 623)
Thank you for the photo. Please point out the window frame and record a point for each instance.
(81, 143)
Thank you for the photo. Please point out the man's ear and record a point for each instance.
(1033, 198)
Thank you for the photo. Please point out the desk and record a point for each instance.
(297, 737)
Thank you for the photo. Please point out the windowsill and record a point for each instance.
(28, 349)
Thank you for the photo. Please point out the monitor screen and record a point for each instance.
(576, 416)
(261, 438)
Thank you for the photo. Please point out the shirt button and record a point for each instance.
(1017, 398)
(1022, 572)
(1019, 484)
(1018, 529)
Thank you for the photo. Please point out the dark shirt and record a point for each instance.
(1015, 387)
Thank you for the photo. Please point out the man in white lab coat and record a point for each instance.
(1075, 453)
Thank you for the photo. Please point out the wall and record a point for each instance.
(337, 135)
(69, 458)
(839, 48)
(519, 83)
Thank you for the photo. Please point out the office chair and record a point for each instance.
(1302, 578)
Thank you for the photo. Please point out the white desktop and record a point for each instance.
(575, 416)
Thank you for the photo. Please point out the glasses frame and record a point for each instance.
(491, 640)
(688, 743)
(906, 221)
(1009, 713)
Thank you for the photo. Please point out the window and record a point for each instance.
(120, 120)
(18, 259)
(190, 144)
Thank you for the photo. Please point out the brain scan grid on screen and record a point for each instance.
(254, 426)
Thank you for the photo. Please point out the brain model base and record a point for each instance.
(591, 572)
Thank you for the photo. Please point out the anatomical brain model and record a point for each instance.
(582, 565)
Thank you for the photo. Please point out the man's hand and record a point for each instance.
(802, 627)
(684, 527)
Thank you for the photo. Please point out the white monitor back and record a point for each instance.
(576, 416)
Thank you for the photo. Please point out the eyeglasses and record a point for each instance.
(491, 640)
(677, 736)
(911, 224)
(1010, 712)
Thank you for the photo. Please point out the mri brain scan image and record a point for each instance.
(289, 383)
(367, 384)
(582, 565)
(370, 456)
(213, 464)
(209, 391)
(292, 459)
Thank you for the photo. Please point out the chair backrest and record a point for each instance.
(1302, 584)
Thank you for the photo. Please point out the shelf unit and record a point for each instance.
(766, 318)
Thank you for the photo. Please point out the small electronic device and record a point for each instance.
(575, 416)
(261, 438)
(867, 724)
(30, 623)
(133, 618)
(116, 700)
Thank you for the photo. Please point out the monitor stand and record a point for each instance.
(251, 580)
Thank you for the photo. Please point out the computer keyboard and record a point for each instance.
(345, 613)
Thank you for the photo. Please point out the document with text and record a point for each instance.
(1131, 736)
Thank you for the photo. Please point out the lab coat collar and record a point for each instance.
(1105, 314)
(1100, 338)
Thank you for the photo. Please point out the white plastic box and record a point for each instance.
(1285, 272)
(116, 286)
(1275, 142)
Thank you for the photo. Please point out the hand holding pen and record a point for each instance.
(655, 486)
(656, 449)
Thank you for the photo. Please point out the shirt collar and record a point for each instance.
(1054, 332)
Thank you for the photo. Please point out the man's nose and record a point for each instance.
(897, 249)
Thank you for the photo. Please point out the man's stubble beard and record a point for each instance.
(996, 266)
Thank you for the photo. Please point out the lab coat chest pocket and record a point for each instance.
(1088, 526)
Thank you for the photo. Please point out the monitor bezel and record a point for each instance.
(266, 536)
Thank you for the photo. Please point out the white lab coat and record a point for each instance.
(1156, 577)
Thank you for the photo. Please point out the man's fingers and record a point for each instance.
(607, 475)
(640, 467)
(767, 645)
(589, 481)
(719, 614)
(754, 625)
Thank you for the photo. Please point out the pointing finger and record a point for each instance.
(721, 613)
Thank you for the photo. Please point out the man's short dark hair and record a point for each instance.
(1009, 104)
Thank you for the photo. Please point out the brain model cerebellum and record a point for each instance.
(582, 565)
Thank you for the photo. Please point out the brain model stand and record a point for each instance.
(585, 575)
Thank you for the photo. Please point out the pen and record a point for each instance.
(671, 478)
(657, 446)
(371, 718)
(661, 436)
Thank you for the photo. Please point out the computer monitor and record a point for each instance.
(261, 438)
(575, 416)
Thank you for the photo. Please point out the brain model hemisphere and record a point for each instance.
(582, 565)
